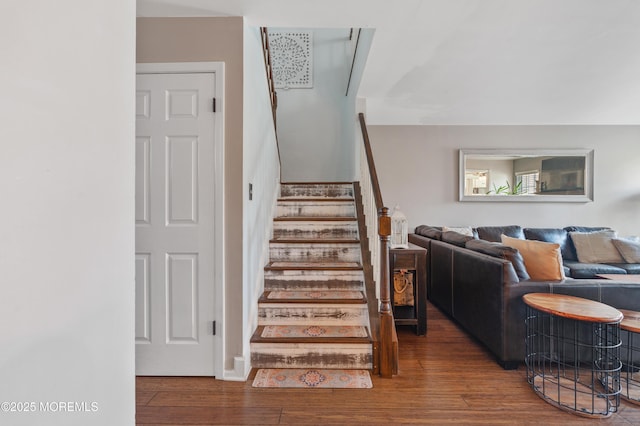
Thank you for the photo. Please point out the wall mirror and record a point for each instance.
(558, 175)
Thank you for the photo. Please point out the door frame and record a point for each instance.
(218, 197)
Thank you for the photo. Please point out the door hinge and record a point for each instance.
(214, 104)
(214, 327)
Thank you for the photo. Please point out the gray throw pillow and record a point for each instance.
(630, 250)
(596, 247)
(569, 252)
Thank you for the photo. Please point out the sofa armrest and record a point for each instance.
(480, 296)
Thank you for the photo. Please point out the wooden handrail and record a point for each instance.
(372, 165)
(388, 338)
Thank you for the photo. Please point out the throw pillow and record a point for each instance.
(596, 247)
(569, 252)
(542, 259)
(630, 250)
(464, 230)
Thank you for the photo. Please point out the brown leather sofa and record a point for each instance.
(483, 292)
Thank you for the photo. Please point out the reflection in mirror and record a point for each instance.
(526, 175)
(476, 181)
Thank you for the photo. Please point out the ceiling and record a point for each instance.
(509, 62)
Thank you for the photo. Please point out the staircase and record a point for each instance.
(313, 312)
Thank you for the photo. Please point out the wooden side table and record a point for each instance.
(414, 261)
(573, 353)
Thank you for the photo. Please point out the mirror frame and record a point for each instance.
(588, 175)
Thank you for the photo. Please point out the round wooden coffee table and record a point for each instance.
(630, 376)
(573, 353)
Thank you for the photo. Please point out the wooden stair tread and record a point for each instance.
(258, 338)
(294, 199)
(315, 219)
(315, 240)
(313, 285)
(332, 266)
(317, 182)
(324, 297)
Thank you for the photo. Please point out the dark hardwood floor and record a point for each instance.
(445, 378)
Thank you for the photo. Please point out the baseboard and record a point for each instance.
(240, 372)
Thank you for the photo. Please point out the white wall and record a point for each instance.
(311, 122)
(418, 168)
(67, 217)
(355, 104)
(261, 169)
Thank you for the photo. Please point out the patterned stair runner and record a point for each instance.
(314, 331)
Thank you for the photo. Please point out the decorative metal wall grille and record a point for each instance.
(291, 58)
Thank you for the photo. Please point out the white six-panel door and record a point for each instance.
(175, 233)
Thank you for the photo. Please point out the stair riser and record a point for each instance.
(287, 355)
(314, 252)
(312, 314)
(313, 296)
(275, 285)
(313, 280)
(318, 190)
(310, 209)
(315, 230)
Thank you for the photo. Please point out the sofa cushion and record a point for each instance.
(631, 268)
(455, 238)
(543, 260)
(429, 231)
(589, 270)
(493, 233)
(629, 250)
(502, 252)
(586, 228)
(596, 247)
(553, 235)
